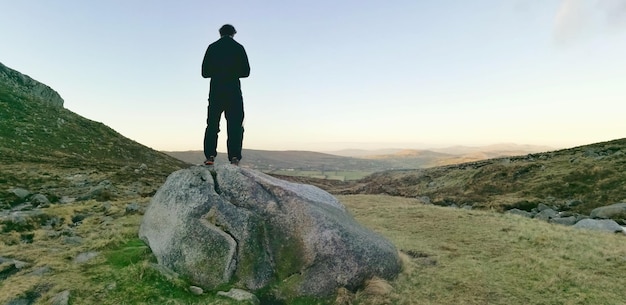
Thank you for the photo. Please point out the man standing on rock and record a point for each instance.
(225, 61)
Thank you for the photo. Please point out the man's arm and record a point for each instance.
(206, 64)
(245, 65)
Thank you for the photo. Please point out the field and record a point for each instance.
(452, 256)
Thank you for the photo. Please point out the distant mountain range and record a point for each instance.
(309, 163)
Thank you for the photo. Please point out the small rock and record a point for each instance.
(240, 295)
(111, 286)
(613, 211)
(567, 221)
(39, 199)
(20, 192)
(41, 271)
(62, 298)
(542, 207)
(73, 240)
(547, 214)
(106, 207)
(424, 199)
(132, 208)
(65, 200)
(520, 213)
(607, 225)
(85, 257)
(196, 290)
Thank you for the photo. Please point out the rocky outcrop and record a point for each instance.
(16, 83)
(241, 227)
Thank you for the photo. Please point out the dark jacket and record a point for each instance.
(225, 59)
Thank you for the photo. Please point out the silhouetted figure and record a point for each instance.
(225, 61)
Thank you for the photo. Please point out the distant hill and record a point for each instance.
(268, 160)
(43, 144)
(356, 163)
(580, 178)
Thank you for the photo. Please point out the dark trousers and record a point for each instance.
(229, 102)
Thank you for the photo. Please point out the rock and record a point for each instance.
(599, 224)
(85, 257)
(520, 213)
(566, 221)
(547, 214)
(41, 271)
(240, 296)
(258, 231)
(542, 207)
(20, 192)
(102, 192)
(10, 266)
(62, 298)
(614, 211)
(132, 208)
(196, 290)
(573, 203)
(73, 240)
(424, 199)
(66, 199)
(39, 199)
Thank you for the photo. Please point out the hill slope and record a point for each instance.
(43, 145)
(592, 175)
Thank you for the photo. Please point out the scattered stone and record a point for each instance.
(41, 271)
(23, 207)
(572, 203)
(547, 214)
(106, 207)
(520, 213)
(614, 211)
(240, 296)
(62, 298)
(78, 218)
(111, 286)
(73, 240)
(85, 257)
(196, 290)
(20, 192)
(566, 221)
(542, 207)
(102, 192)
(9, 266)
(39, 200)
(607, 225)
(66, 200)
(424, 199)
(133, 208)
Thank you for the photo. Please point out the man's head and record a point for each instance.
(227, 30)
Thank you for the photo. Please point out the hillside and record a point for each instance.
(580, 178)
(49, 149)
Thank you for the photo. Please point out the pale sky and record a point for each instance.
(329, 75)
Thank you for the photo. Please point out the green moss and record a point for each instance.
(132, 252)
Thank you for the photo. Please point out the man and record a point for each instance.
(225, 61)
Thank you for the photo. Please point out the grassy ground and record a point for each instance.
(452, 256)
(477, 257)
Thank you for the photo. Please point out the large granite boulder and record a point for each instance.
(241, 227)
